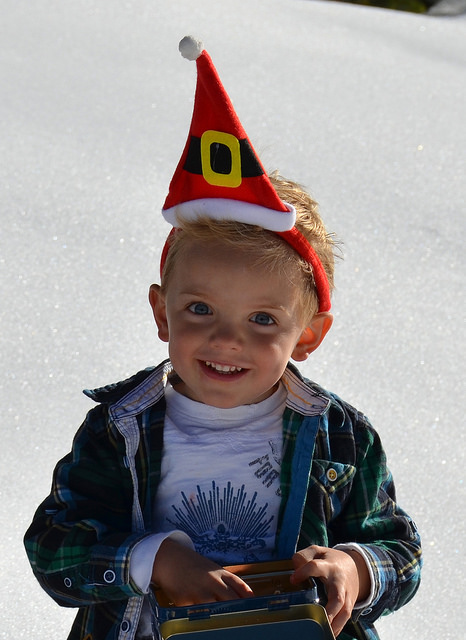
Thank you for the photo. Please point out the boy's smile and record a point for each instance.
(231, 325)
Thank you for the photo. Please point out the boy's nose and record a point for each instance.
(226, 336)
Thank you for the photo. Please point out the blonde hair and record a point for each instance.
(266, 247)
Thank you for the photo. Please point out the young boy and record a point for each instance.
(224, 454)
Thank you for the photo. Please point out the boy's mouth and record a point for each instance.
(225, 369)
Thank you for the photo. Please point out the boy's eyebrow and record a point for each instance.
(194, 291)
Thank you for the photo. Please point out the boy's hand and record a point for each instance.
(188, 578)
(344, 575)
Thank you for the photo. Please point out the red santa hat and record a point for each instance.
(220, 175)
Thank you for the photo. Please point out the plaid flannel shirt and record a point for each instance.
(336, 488)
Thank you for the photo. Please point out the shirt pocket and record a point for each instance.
(330, 486)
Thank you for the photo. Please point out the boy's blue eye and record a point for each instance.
(262, 319)
(200, 308)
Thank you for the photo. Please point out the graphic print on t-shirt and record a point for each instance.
(233, 523)
(223, 520)
(268, 467)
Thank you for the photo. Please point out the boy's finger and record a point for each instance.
(338, 622)
(302, 558)
(338, 608)
(308, 570)
(241, 588)
(305, 555)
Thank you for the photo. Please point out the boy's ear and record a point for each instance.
(157, 302)
(312, 336)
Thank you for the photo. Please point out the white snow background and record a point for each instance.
(364, 106)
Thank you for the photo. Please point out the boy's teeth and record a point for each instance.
(223, 368)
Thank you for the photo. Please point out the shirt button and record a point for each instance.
(125, 626)
(332, 475)
(109, 576)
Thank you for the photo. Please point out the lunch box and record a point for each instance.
(277, 611)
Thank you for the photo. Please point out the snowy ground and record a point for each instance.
(364, 106)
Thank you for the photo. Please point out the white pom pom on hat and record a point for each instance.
(190, 48)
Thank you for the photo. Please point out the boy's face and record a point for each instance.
(231, 326)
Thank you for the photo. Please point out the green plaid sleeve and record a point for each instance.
(80, 539)
(373, 518)
(362, 508)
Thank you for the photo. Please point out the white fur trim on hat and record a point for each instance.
(225, 209)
